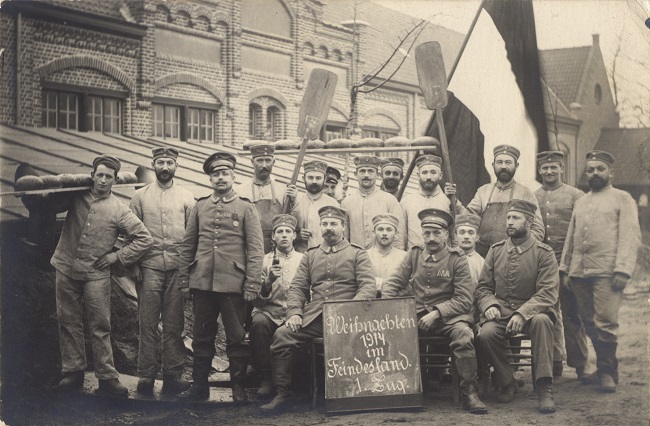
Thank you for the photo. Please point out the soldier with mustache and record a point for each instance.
(598, 260)
(491, 199)
(392, 173)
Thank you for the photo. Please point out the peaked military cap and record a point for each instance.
(284, 220)
(386, 219)
(315, 166)
(550, 157)
(332, 212)
(109, 161)
(164, 151)
(332, 175)
(219, 161)
(392, 161)
(262, 150)
(367, 161)
(436, 218)
(603, 156)
(428, 160)
(522, 206)
(468, 219)
(507, 149)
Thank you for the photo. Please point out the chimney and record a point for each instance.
(596, 40)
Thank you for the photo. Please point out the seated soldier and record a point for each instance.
(442, 286)
(516, 293)
(278, 268)
(384, 257)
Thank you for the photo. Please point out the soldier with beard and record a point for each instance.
(392, 172)
(598, 259)
(429, 196)
(164, 208)
(307, 204)
(491, 199)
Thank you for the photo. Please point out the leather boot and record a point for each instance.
(238, 367)
(467, 371)
(508, 392)
(200, 390)
(545, 395)
(71, 381)
(112, 387)
(173, 385)
(266, 384)
(145, 386)
(558, 368)
(609, 363)
(281, 373)
(607, 384)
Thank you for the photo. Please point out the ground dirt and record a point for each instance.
(31, 364)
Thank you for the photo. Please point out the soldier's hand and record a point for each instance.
(274, 273)
(450, 189)
(565, 281)
(305, 234)
(426, 322)
(105, 261)
(516, 324)
(136, 274)
(292, 191)
(619, 281)
(294, 322)
(187, 294)
(249, 296)
(493, 313)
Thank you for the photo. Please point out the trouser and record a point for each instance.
(96, 296)
(261, 334)
(462, 345)
(598, 306)
(492, 344)
(159, 297)
(207, 307)
(559, 348)
(285, 343)
(575, 338)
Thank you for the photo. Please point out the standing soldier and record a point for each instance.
(392, 173)
(264, 191)
(306, 206)
(517, 293)
(221, 262)
(332, 177)
(556, 201)
(369, 201)
(336, 270)
(278, 269)
(444, 294)
(384, 257)
(82, 260)
(164, 208)
(491, 199)
(429, 196)
(598, 259)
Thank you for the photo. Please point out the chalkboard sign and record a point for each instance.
(372, 358)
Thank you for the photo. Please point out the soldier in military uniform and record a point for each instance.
(517, 293)
(336, 270)
(392, 173)
(221, 262)
(332, 177)
(556, 200)
(443, 289)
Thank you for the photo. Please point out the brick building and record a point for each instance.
(203, 71)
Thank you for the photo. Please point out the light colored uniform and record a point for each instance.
(305, 210)
(385, 264)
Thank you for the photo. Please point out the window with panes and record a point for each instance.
(60, 110)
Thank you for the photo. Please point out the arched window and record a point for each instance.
(266, 16)
(255, 129)
(266, 119)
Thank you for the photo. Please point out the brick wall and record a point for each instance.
(7, 69)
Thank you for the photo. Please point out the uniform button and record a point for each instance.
(215, 246)
(548, 226)
(88, 224)
(84, 235)
(93, 211)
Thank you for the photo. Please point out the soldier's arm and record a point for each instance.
(629, 236)
(365, 277)
(188, 247)
(254, 249)
(138, 238)
(548, 286)
(461, 301)
(567, 250)
(135, 205)
(299, 288)
(398, 280)
(486, 288)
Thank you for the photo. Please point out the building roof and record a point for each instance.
(631, 150)
(386, 27)
(562, 69)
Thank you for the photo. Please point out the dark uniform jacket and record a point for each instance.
(222, 250)
(522, 279)
(340, 272)
(440, 281)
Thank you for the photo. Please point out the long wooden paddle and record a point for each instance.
(314, 109)
(433, 83)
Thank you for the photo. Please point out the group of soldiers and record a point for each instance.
(551, 264)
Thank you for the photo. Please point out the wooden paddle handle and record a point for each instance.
(445, 156)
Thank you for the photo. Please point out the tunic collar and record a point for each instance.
(333, 249)
(433, 194)
(226, 198)
(508, 185)
(436, 256)
(522, 248)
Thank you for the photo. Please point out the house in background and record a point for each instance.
(578, 102)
